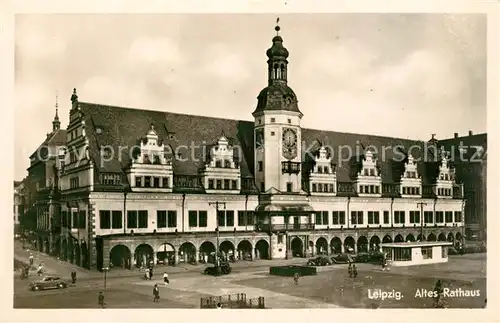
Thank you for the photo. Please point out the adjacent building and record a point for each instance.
(42, 186)
(139, 185)
(470, 163)
(19, 202)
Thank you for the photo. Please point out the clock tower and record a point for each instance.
(278, 147)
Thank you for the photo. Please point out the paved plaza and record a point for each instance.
(329, 289)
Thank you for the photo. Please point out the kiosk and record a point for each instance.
(416, 253)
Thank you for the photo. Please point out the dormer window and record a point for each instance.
(322, 178)
(218, 163)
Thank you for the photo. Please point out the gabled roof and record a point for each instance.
(470, 146)
(57, 138)
(192, 136)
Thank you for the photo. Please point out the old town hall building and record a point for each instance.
(139, 185)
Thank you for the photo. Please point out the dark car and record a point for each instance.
(362, 257)
(341, 258)
(48, 282)
(319, 261)
(225, 269)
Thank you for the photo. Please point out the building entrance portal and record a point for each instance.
(297, 246)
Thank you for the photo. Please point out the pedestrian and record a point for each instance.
(146, 273)
(40, 270)
(156, 293)
(100, 300)
(354, 271)
(349, 270)
(165, 279)
(296, 278)
(31, 260)
(73, 276)
(150, 273)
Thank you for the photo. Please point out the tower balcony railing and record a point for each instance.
(289, 167)
(266, 227)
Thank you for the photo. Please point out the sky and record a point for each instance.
(398, 75)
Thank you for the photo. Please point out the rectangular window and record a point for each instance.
(332, 188)
(260, 166)
(161, 219)
(250, 218)
(386, 217)
(458, 216)
(82, 219)
(427, 252)
(143, 219)
(241, 218)
(221, 218)
(439, 217)
(147, 181)
(229, 218)
(219, 184)
(414, 217)
(104, 219)
(202, 219)
(165, 182)
(116, 220)
(449, 217)
(193, 218)
(399, 217)
(227, 163)
(289, 187)
(273, 119)
(172, 219)
(357, 217)
(211, 184)
(428, 217)
(138, 181)
(156, 182)
(373, 217)
(280, 238)
(402, 254)
(234, 185)
(75, 220)
(226, 184)
(314, 187)
(262, 187)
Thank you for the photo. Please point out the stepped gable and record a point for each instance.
(124, 127)
(351, 147)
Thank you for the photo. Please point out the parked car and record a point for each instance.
(341, 258)
(225, 269)
(48, 282)
(319, 261)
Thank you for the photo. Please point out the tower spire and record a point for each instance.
(56, 124)
(277, 28)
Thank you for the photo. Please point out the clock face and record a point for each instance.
(289, 143)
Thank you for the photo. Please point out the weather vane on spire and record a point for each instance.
(57, 97)
(277, 28)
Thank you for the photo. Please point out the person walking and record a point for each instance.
(31, 259)
(156, 293)
(349, 270)
(151, 272)
(296, 278)
(165, 279)
(40, 270)
(100, 300)
(73, 276)
(354, 271)
(146, 273)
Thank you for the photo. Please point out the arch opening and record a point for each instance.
(207, 252)
(431, 237)
(321, 246)
(119, 256)
(362, 244)
(262, 249)
(375, 243)
(387, 239)
(187, 252)
(442, 237)
(399, 238)
(336, 245)
(410, 238)
(297, 246)
(245, 250)
(349, 244)
(165, 254)
(144, 255)
(226, 250)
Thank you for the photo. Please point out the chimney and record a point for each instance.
(470, 132)
(455, 135)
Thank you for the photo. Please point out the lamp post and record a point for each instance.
(421, 204)
(105, 270)
(216, 204)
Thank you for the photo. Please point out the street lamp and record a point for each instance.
(105, 270)
(216, 204)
